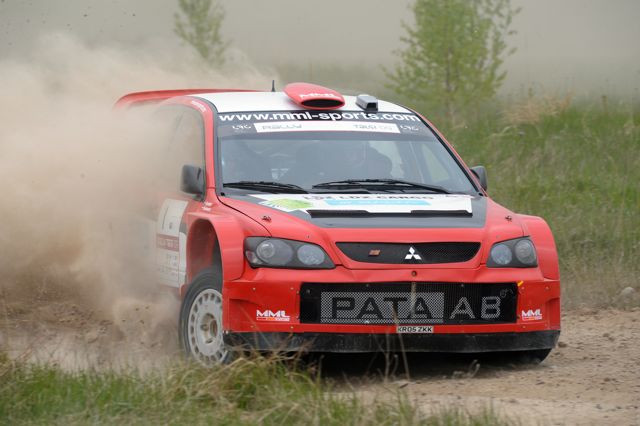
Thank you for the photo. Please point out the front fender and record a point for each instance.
(231, 231)
(542, 238)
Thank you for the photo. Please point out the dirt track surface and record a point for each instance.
(592, 378)
(62, 325)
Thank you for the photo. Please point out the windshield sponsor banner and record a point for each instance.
(371, 203)
(321, 116)
(290, 121)
(312, 126)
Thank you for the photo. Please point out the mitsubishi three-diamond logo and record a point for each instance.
(412, 255)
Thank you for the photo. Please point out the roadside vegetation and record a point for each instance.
(249, 391)
(198, 24)
(452, 54)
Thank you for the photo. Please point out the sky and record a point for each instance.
(592, 46)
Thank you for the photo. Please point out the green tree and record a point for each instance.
(198, 24)
(453, 54)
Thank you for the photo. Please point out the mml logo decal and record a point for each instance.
(531, 315)
(269, 315)
(412, 255)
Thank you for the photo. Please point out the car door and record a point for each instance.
(186, 146)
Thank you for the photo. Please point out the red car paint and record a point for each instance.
(221, 223)
(314, 96)
(139, 98)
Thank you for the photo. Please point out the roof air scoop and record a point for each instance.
(312, 96)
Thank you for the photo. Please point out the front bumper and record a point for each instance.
(364, 342)
(276, 292)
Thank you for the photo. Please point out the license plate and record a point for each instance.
(414, 329)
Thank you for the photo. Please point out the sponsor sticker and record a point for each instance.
(268, 315)
(252, 122)
(298, 115)
(317, 95)
(167, 242)
(402, 307)
(377, 202)
(336, 126)
(531, 315)
(372, 203)
(288, 204)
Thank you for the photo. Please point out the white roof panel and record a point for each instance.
(277, 101)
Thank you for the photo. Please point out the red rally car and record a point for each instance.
(308, 220)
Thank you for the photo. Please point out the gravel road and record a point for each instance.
(591, 378)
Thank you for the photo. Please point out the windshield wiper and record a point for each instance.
(266, 186)
(381, 184)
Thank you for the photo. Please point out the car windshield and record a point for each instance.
(386, 155)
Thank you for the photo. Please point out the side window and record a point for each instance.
(185, 143)
(188, 140)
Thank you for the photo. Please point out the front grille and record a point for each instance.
(397, 253)
(408, 303)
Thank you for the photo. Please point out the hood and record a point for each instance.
(328, 219)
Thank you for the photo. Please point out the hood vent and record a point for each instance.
(312, 96)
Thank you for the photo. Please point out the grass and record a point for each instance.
(577, 166)
(249, 391)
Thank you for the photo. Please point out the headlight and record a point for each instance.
(274, 252)
(501, 254)
(311, 255)
(526, 252)
(517, 253)
(281, 253)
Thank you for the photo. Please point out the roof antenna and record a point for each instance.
(273, 85)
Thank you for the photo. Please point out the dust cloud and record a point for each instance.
(77, 179)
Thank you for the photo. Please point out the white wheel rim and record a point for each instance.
(204, 328)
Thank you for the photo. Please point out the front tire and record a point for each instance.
(200, 327)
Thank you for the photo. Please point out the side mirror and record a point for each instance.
(192, 180)
(481, 174)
